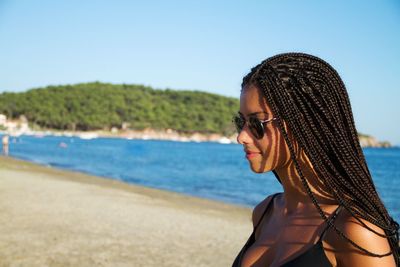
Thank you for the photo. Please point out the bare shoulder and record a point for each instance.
(259, 209)
(348, 255)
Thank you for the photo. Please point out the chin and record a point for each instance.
(257, 169)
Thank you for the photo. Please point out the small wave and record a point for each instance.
(61, 165)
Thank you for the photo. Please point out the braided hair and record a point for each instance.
(309, 95)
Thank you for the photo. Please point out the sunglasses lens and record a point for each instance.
(239, 123)
(256, 127)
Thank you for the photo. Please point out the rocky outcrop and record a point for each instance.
(370, 141)
(169, 134)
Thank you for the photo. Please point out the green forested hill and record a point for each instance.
(92, 106)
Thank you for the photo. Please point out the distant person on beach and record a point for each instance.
(5, 143)
(295, 120)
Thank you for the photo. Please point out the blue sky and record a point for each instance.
(205, 45)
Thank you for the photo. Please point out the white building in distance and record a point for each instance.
(3, 119)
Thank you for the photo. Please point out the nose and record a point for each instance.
(244, 137)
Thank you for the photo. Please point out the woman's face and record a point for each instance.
(271, 151)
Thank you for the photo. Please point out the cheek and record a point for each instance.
(275, 150)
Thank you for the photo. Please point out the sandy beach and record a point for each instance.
(51, 217)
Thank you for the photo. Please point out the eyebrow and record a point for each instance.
(254, 113)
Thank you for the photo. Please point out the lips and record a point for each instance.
(251, 154)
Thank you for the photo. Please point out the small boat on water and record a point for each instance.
(224, 140)
(88, 136)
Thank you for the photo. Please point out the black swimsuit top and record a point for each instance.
(315, 256)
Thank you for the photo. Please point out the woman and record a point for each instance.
(295, 119)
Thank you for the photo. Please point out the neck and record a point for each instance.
(295, 194)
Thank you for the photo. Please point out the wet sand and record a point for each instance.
(51, 217)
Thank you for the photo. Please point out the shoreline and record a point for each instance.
(91, 179)
(55, 217)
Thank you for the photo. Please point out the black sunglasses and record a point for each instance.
(256, 126)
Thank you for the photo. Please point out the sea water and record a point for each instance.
(210, 170)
